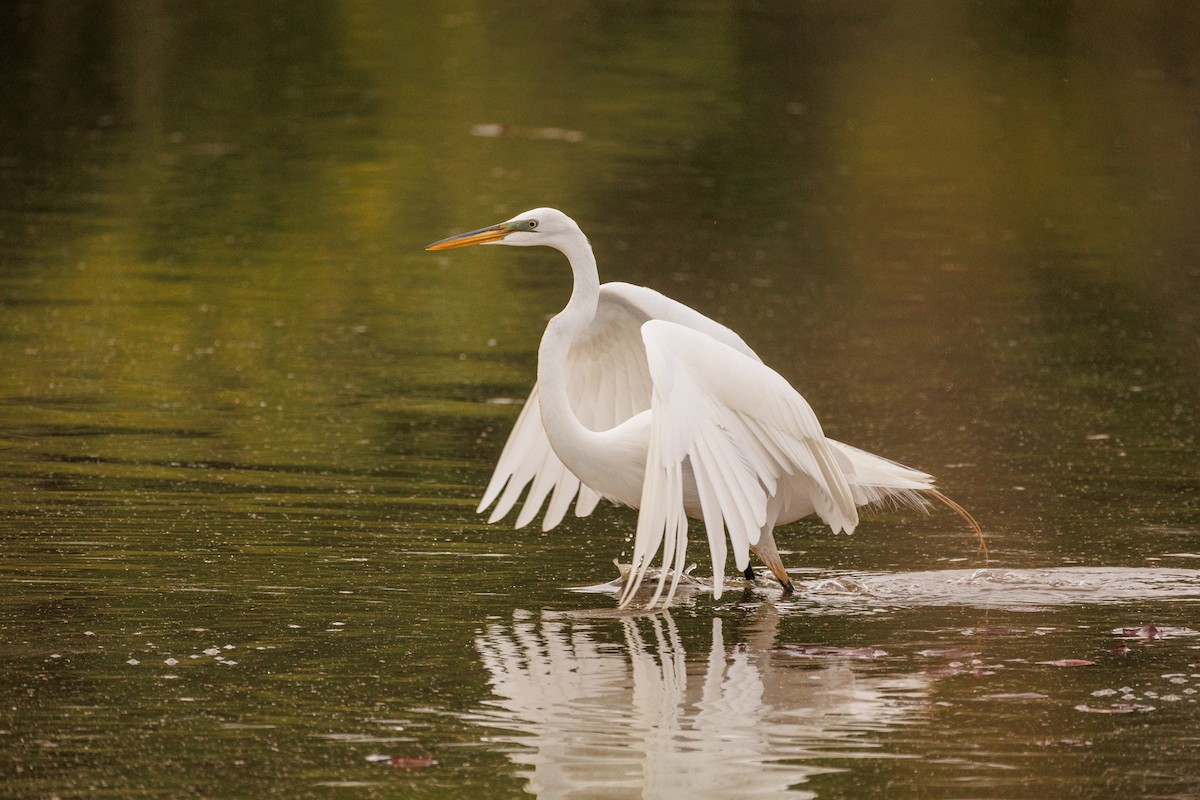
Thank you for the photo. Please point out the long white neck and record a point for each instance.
(569, 437)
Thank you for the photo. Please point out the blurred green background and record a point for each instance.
(235, 391)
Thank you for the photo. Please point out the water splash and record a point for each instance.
(1017, 589)
(992, 588)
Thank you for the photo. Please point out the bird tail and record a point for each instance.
(966, 515)
(880, 482)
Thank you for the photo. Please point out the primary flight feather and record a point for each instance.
(650, 404)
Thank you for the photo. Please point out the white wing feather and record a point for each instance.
(743, 434)
(876, 481)
(609, 383)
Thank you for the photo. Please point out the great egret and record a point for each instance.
(650, 404)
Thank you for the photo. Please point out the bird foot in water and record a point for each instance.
(788, 588)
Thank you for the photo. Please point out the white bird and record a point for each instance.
(647, 403)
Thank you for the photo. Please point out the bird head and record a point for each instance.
(544, 226)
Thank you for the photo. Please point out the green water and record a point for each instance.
(245, 420)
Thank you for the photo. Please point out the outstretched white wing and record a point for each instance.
(527, 458)
(741, 433)
(609, 383)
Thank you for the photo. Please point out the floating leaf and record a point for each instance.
(833, 652)
(947, 652)
(1148, 632)
(1115, 708)
(1016, 696)
(957, 668)
(994, 630)
(489, 130)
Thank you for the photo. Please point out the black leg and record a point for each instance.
(749, 573)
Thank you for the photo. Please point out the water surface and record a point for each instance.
(245, 419)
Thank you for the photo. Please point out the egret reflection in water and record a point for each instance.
(618, 705)
(640, 717)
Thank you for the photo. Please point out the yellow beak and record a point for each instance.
(492, 233)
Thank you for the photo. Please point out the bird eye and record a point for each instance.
(531, 224)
